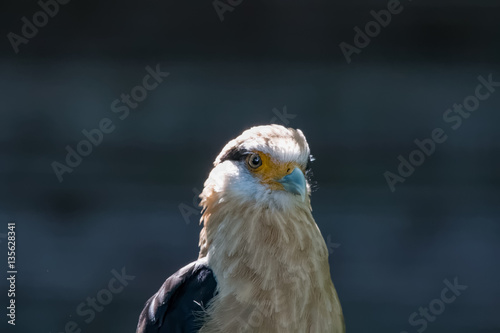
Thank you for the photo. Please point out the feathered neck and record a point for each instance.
(245, 225)
(269, 260)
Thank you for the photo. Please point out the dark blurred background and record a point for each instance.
(390, 252)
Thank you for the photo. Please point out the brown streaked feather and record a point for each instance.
(272, 270)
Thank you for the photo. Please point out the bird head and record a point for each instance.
(265, 166)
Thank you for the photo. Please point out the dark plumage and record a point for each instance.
(180, 302)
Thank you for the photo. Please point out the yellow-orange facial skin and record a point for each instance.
(271, 171)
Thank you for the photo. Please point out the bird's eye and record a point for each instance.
(254, 161)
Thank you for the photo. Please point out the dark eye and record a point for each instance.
(254, 161)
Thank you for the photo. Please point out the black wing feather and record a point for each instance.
(177, 306)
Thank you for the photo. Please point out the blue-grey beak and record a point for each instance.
(295, 183)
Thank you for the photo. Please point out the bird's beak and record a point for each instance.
(295, 183)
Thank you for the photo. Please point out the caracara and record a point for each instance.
(263, 263)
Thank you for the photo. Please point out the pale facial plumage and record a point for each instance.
(284, 148)
(284, 144)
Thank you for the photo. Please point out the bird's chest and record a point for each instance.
(271, 298)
